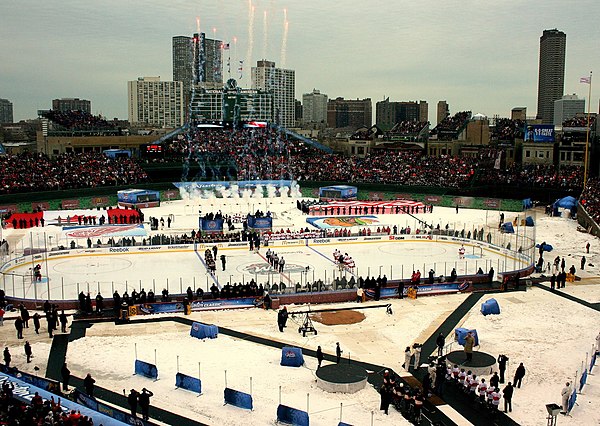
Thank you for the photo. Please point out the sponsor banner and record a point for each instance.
(151, 248)
(146, 369)
(342, 221)
(432, 199)
(70, 204)
(540, 133)
(133, 230)
(492, 203)
(103, 408)
(25, 392)
(40, 205)
(118, 250)
(463, 201)
(260, 222)
(10, 208)
(197, 305)
(396, 237)
(238, 244)
(171, 194)
(188, 383)
(375, 196)
(99, 201)
(372, 238)
(180, 247)
(292, 416)
(422, 289)
(287, 243)
(402, 197)
(211, 225)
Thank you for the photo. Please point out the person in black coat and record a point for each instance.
(502, 360)
(19, 327)
(507, 393)
(144, 399)
(319, 356)
(28, 352)
(7, 357)
(519, 374)
(88, 384)
(66, 376)
(440, 341)
(132, 400)
(36, 323)
(338, 352)
(282, 317)
(386, 398)
(494, 380)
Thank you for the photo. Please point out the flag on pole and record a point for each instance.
(586, 80)
(225, 46)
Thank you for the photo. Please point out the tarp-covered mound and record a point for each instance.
(507, 228)
(202, 331)
(291, 357)
(529, 221)
(566, 203)
(461, 333)
(490, 307)
(527, 203)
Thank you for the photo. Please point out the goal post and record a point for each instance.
(477, 251)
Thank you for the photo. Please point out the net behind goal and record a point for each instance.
(477, 251)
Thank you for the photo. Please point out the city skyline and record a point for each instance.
(401, 50)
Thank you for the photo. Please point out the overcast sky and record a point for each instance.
(477, 55)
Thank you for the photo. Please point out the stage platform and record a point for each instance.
(481, 364)
(343, 378)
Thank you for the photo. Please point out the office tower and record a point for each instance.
(551, 80)
(155, 102)
(72, 104)
(387, 113)
(349, 113)
(443, 111)
(198, 60)
(6, 111)
(567, 107)
(314, 107)
(281, 82)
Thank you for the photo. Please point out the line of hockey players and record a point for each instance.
(276, 262)
(343, 261)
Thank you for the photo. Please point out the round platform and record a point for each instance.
(344, 378)
(481, 364)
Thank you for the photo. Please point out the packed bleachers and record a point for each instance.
(77, 120)
(534, 175)
(590, 198)
(508, 130)
(408, 127)
(579, 122)
(29, 172)
(448, 128)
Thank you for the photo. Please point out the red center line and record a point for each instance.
(280, 273)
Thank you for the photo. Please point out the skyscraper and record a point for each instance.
(72, 104)
(314, 107)
(349, 113)
(155, 102)
(6, 111)
(182, 61)
(198, 59)
(282, 83)
(567, 107)
(387, 113)
(551, 81)
(443, 110)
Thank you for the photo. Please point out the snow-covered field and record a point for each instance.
(548, 333)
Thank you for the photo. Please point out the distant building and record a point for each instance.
(567, 107)
(349, 113)
(232, 104)
(155, 102)
(197, 60)
(72, 104)
(314, 107)
(282, 84)
(518, 113)
(551, 80)
(298, 111)
(387, 113)
(443, 111)
(6, 111)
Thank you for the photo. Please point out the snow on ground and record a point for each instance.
(550, 336)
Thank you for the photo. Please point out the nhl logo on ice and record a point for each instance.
(265, 269)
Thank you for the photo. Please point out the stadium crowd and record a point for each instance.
(508, 130)
(27, 172)
(447, 128)
(408, 127)
(590, 198)
(534, 175)
(77, 120)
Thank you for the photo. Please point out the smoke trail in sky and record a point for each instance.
(284, 39)
(250, 32)
(265, 34)
(197, 24)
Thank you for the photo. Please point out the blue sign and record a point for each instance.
(146, 369)
(108, 410)
(237, 398)
(540, 133)
(211, 225)
(188, 382)
(198, 305)
(292, 416)
(260, 222)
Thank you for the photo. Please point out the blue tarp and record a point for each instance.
(202, 331)
(527, 204)
(490, 307)
(508, 228)
(461, 333)
(546, 247)
(291, 357)
(529, 221)
(566, 203)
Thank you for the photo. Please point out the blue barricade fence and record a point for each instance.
(292, 416)
(41, 382)
(583, 379)
(572, 400)
(202, 331)
(188, 382)
(593, 361)
(344, 424)
(237, 398)
(107, 410)
(146, 369)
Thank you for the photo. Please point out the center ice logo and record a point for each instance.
(265, 269)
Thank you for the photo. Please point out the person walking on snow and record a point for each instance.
(407, 356)
(519, 374)
(417, 354)
(338, 352)
(565, 395)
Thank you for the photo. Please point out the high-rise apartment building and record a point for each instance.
(387, 113)
(567, 107)
(282, 83)
(198, 60)
(349, 113)
(6, 111)
(551, 80)
(314, 107)
(443, 111)
(72, 104)
(155, 102)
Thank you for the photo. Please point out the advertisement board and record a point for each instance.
(540, 133)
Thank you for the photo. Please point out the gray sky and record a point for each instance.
(480, 56)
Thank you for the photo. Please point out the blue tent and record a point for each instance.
(291, 357)
(507, 228)
(546, 247)
(490, 307)
(529, 221)
(202, 331)
(527, 204)
(461, 333)
(566, 203)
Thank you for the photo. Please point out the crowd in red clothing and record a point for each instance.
(29, 172)
(590, 198)
(579, 121)
(534, 175)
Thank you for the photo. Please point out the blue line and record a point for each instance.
(321, 254)
(206, 267)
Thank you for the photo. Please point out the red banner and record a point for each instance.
(70, 204)
(40, 205)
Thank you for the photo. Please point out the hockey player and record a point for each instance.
(461, 252)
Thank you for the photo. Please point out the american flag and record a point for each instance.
(586, 80)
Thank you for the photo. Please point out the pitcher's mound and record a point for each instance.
(338, 317)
